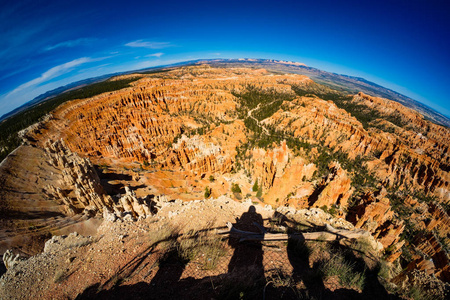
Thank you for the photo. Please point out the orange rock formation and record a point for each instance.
(172, 134)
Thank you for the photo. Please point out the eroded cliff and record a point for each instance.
(196, 132)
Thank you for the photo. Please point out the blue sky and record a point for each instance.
(402, 45)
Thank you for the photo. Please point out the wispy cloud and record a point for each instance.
(148, 44)
(53, 73)
(71, 43)
(159, 54)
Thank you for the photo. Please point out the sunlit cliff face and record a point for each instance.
(173, 134)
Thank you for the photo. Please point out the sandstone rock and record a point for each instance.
(429, 245)
(335, 189)
(108, 215)
(79, 175)
(135, 207)
(432, 286)
(270, 164)
(10, 260)
(376, 216)
(197, 156)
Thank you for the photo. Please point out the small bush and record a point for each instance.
(344, 270)
(164, 237)
(196, 244)
(332, 211)
(207, 192)
(384, 270)
(235, 188)
(363, 245)
(418, 293)
(213, 250)
(255, 186)
(211, 178)
(259, 193)
(284, 283)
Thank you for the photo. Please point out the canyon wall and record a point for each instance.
(178, 133)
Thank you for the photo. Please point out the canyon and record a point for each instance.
(276, 140)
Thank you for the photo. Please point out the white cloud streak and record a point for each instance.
(159, 54)
(71, 43)
(53, 73)
(148, 45)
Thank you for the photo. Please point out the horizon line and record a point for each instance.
(12, 112)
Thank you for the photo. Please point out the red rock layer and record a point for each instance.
(154, 122)
(375, 215)
(431, 247)
(404, 163)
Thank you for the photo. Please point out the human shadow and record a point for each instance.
(299, 256)
(248, 254)
(245, 278)
(247, 260)
(312, 277)
(166, 257)
(171, 267)
(165, 284)
(372, 288)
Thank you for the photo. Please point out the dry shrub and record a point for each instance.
(210, 247)
(338, 266)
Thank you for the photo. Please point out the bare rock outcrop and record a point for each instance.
(10, 260)
(80, 186)
(429, 245)
(266, 165)
(375, 215)
(439, 219)
(411, 157)
(138, 208)
(416, 171)
(334, 190)
(433, 286)
(195, 155)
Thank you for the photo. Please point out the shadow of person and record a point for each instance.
(312, 277)
(171, 267)
(372, 288)
(247, 259)
(298, 255)
(166, 283)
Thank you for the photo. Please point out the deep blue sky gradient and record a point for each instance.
(402, 45)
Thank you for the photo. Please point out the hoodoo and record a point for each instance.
(316, 162)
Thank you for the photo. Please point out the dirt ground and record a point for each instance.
(141, 260)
